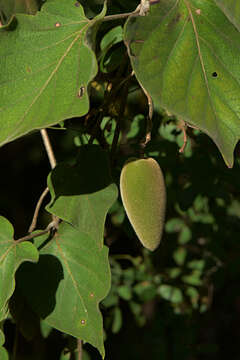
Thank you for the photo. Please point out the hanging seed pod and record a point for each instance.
(143, 195)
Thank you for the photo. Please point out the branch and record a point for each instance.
(35, 215)
(52, 160)
(32, 236)
(79, 349)
(121, 16)
(141, 10)
(48, 148)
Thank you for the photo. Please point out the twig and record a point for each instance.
(121, 16)
(35, 215)
(79, 349)
(48, 148)
(141, 10)
(32, 236)
(182, 126)
(52, 160)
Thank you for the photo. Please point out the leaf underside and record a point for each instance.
(46, 67)
(186, 53)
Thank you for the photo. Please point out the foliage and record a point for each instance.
(68, 66)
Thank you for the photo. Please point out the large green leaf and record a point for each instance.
(186, 53)
(232, 9)
(83, 193)
(45, 68)
(70, 279)
(12, 254)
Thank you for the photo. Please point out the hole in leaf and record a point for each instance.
(81, 92)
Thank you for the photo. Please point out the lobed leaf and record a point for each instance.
(83, 193)
(70, 279)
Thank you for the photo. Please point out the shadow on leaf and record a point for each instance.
(39, 283)
(89, 174)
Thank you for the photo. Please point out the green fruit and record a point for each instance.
(143, 195)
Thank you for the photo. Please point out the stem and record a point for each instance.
(52, 160)
(79, 349)
(121, 16)
(139, 11)
(48, 148)
(32, 236)
(35, 215)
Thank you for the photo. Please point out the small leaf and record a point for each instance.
(185, 235)
(174, 225)
(145, 290)
(179, 255)
(170, 293)
(125, 292)
(110, 300)
(193, 294)
(174, 272)
(117, 320)
(114, 36)
(196, 264)
(136, 308)
(194, 278)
